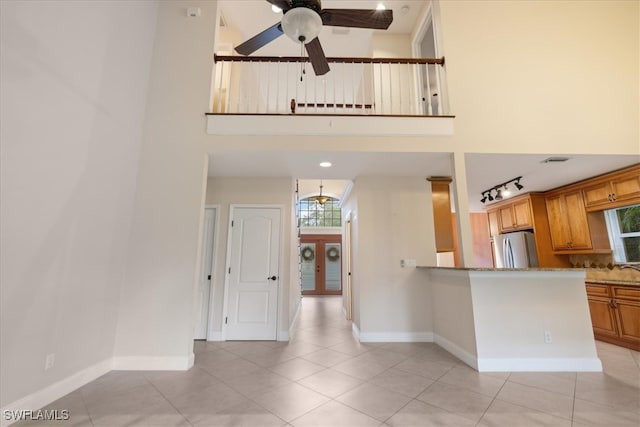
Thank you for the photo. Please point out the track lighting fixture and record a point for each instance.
(488, 194)
(518, 185)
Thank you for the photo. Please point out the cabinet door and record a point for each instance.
(494, 227)
(507, 220)
(628, 314)
(603, 317)
(626, 187)
(558, 225)
(576, 217)
(522, 214)
(597, 194)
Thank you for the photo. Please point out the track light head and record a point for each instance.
(518, 185)
(498, 194)
(484, 198)
(490, 197)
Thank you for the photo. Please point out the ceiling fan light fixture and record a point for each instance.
(301, 24)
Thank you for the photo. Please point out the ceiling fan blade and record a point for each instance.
(317, 57)
(260, 39)
(282, 4)
(358, 18)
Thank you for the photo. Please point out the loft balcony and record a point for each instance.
(359, 96)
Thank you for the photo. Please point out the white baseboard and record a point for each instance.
(58, 389)
(457, 351)
(215, 336)
(355, 330)
(152, 363)
(294, 323)
(396, 336)
(540, 365)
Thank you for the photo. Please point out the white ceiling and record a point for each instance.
(250, 17)
(483, 170)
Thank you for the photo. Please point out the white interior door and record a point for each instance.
(252, 296)
(206, 271)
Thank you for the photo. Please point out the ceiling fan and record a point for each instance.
(302, 22)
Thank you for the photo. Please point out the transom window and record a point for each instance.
(313, 214)
(623, 225)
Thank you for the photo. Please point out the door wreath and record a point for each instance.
(307, 254)
(333, 254)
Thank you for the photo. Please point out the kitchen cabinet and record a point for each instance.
(526, 212)
(568, 221)
(613, 190)
(511, 215)
(615, 313)
(516, 216)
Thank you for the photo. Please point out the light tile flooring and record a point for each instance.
(324, 377)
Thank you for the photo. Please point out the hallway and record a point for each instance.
(324, 377)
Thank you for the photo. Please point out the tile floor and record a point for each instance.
(324, 377)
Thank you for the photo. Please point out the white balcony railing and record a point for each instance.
(354, 86)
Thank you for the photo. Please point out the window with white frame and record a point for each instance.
(623, 225)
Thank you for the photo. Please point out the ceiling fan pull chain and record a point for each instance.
(302, 64)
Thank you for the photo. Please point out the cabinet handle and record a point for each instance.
(613, 196)
(612, 304)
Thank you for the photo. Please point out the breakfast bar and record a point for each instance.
(534, 319)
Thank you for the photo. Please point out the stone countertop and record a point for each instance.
(497, 269)
(612, 282)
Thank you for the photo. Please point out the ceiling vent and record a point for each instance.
(555, 160)
(340, 31)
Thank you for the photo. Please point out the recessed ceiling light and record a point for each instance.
(275, 9)
(381, 6)
(325, 164)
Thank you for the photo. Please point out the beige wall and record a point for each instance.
(543, 76)
(155, 321)
(394, 222)
(268, 191)
(71, 131)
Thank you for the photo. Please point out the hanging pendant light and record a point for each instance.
(320, 199)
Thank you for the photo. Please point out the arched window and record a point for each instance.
(313, 214)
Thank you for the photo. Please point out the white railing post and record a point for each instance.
(439, 91)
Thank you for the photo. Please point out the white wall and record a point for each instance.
(453, 325)
(394, 222)
(155, 323)
(268, 191)
(512, 311)
(71, 118)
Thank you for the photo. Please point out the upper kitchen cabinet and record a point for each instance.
(516, 215)
(568, 221)
(526, 212)
(613, 190)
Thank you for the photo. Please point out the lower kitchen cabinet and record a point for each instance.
(615, 313)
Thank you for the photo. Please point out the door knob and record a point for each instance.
(272, 278)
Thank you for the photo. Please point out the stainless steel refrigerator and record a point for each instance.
(515, 250)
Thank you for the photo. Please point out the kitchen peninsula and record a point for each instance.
(514, 319)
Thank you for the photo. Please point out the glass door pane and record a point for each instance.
(332, 263)
(308, 257)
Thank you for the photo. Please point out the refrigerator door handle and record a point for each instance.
(510, 262)
(505, 252)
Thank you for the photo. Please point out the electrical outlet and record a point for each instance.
(547, 337)
(49, 361)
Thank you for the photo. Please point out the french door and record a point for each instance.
(321, 258)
